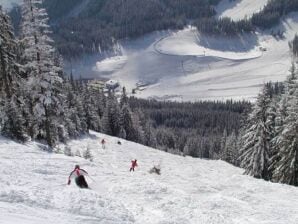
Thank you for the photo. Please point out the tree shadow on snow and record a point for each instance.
(238, 44)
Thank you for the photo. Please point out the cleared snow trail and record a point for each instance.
(239, 9)
(188, 191)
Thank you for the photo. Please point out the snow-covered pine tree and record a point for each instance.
(12, 120)
(230, 150)
(255, 150)
(9, 77)
(127, 123)
(87, 154)
(124, 98)
(286, 159)
(44, 82)
(90, 107)
(282, 112)
(14, 125)
(111, 117)
(105, 122)
(67, 151)
(191, 148)
(149, 135)
(223, 142)
(286, 168)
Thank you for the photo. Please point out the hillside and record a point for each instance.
(186, 65)
(239, 9)
(188, 191)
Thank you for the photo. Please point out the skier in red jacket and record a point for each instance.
(78, 174)
(133, 165)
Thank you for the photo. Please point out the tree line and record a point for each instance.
(200, 129)
(268, 17)
(269, 139)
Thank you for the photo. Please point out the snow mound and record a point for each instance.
(188, 190)
(110, 64)
(239, 9)
(189, 42)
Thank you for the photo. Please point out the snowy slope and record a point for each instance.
(239, 9)
(189, 191)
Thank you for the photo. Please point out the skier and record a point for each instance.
(155, 169)
(103, 142)
(133, 165)
(78, 174)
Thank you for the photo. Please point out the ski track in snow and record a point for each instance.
(188, 191)
(239, 9)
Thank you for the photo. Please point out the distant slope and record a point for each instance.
(8, 4)
(187, 65)
(239, 9)
(188, 191)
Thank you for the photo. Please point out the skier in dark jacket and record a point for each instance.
(133, 165)
(103, 143)
(78, 174)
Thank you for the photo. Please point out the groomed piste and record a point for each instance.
(188, 191)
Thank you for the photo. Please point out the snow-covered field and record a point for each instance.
(188, 191)
(239, 9)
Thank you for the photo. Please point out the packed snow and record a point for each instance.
(189, 190)
(239, 9)
(111, 64)
(189, 42)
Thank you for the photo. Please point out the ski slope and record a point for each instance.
(239, 9)
(188, 191)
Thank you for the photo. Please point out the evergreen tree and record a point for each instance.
(44, 79)
(111, 117)
(282, 112)
(127, 123)
(9, 78)
(13, 123)
(190, 148)
(67, 151)
(87, 154)
(255, 151)
(285, 161)
(231, 149)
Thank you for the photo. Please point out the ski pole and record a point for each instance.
(92, 179)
